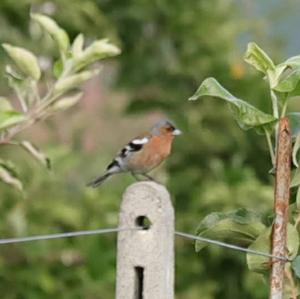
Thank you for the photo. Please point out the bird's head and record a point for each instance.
(165, 127)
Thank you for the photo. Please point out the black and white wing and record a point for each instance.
(119, 163)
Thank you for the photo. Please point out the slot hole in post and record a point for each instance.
(139, 282)
(143, 222)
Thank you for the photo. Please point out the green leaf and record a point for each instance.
(11, 72)
(258, 263)
(295, 92)
(36, 153)
(298, 199)
(17, 219)
(58, 68)
(291, 285)
(292, 67)
(10, 118)
(99, 49)
(289, 82)
(240, 227)
(275, 75)
(8, 175)
(256, 57)
(259, 59)
(5, 104)
(59, 35)
(245, 114)
(17, 81)
(77, 46)
(293, 62)
(24, 60)
(74, 81)
(292, 241)
(66, 102)
(262, 264)
(296, 266)
(294, 120)
(295, 150)
(9, 165)
(296, 178)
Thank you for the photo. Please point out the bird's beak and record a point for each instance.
(176, 132)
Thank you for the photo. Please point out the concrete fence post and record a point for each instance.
(145, 258)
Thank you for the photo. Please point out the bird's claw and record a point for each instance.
(148, 177)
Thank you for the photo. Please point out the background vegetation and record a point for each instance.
(168, 48)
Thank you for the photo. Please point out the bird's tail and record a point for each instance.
(99, 180)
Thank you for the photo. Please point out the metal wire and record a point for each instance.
(65, 235)
(117, 229)
(230, 246)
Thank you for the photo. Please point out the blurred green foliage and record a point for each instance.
(168, 48)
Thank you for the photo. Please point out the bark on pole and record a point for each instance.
(145, 258)
(282, 195)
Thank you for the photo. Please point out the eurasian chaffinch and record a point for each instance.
(142, 153)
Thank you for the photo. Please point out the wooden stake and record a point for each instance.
(282, 195)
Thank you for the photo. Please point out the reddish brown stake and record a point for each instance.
(282, 195)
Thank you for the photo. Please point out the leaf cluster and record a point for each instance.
(70, 72)
(283, 81)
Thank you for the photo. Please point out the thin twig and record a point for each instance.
(293, 287)
(21, 100)
(38, 112)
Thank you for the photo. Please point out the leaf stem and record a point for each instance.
(39, 111)
(274, 104)
(35, 91)
(283, 111)
(275, 114)
(9, 143)
(21, 100)
(270, 146)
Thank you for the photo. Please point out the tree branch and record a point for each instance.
(282, 195)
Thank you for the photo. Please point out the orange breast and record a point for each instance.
(151, 155)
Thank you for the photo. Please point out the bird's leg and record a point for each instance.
(150, 178)
(147, 176)
(135, 176)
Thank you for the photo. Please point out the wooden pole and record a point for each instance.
(282, 195)
(145, 258)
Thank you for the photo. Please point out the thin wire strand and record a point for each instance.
(117, 229)
(65, 235)
(230, 246)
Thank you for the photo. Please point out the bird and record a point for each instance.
(142, 153)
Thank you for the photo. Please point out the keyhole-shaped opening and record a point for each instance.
(143, 222)
(139, 282)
